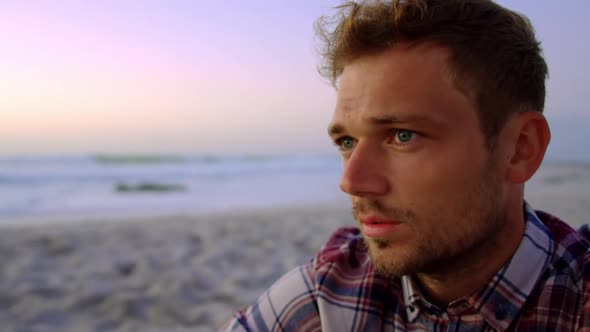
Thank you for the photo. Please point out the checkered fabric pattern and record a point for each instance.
(544, 287)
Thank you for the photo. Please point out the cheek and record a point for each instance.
(437, 177)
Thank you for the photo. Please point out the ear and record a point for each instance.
(528, 136)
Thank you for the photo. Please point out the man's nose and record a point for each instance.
(364, 172)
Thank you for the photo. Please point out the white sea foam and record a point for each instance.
(75, 188)
(62, 187)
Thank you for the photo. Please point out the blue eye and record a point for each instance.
(404, 136)
(345, 143)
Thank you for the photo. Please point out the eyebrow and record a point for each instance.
(386, 120)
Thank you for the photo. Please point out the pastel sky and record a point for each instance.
(228, 76)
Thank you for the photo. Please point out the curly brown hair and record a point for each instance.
(494, 55)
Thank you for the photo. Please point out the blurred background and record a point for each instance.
(205, 121)
(191, 94)
(205, 99)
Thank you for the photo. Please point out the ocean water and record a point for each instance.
(53, 188)
(57, 188)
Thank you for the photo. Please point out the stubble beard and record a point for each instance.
(472, 223)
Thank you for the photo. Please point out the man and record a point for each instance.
(439, 122)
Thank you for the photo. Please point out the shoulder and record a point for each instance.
(314, 294)
(571, 254)
(345, 248)
(562, 298)
(291, 303)
(346, 281)
(343, 263)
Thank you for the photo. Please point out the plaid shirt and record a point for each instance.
(544, 287)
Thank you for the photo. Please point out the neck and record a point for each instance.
(473, 270)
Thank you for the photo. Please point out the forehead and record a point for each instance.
(403, 81)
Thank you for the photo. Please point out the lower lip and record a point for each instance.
(379, 230)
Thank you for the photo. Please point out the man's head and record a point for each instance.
(494, 56)
(439, 122)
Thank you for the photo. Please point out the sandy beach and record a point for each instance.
(186, 273)
(167, 274)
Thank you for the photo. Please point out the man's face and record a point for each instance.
(424, 187)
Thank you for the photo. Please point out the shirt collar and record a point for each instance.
(499, 302)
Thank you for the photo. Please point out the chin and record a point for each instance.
(389, 259)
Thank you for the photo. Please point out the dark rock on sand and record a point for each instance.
(125, 268)
(149, 187)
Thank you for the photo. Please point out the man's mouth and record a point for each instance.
(375, 226)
